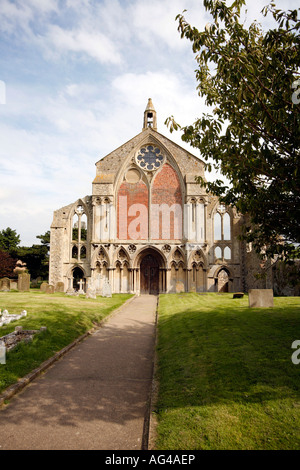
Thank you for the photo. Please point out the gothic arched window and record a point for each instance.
(222, 224)
(217, 226)
(218, 252)
(83, 252)
(75, 252)
(227, 253)
(226, 227)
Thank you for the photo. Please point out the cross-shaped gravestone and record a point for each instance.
(81, 291)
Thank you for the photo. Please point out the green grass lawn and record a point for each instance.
(226, 378)
(65, 317)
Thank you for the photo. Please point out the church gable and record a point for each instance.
(148, 150)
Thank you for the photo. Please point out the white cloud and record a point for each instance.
(18, 16)
(171, 95)
(12, 16)
(94, 44)
(156, 19)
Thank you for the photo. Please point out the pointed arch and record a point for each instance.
(101, 256)
(197, 257)
(177, 255)
(121, 256)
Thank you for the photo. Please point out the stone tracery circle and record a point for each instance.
(149, 158)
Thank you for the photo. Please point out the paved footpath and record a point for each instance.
(94, 397)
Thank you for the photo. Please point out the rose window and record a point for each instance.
(149, 158)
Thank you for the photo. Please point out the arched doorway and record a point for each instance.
(150, 265)
(149, 272)
(222, 281)
(78, 279)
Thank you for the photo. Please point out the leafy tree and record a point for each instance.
(7, 264)
(37, 257)
(45, 239)
(9, 240)
(250, 79)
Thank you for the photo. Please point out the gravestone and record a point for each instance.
(23, 281)
(5, 284)
(98, 282)
(13, 284)
(91, 290)
(91, 293)
(59, 287)
(260, 298)
(106, 291)
(43, 286)
(34, 283)
(238, 295)
(50, 289)
(80, 283)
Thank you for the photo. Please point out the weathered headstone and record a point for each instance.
(106, 291)
(43, 286)
(13, 284)
(91, 290)
(59, 287)
(238, 295)
(98, 283)
(5, 284)
(261, 298)
(91, 293)
(50, 289)
(23, 281)
(80, 283)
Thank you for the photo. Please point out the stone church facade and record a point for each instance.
(148, 227)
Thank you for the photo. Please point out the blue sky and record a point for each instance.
(77, 76)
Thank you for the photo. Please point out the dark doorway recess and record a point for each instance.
(149, 270)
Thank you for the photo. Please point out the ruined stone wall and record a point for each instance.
(56, 255)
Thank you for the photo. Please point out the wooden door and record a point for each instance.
(149, 270)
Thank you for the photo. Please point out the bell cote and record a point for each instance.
(150, 119)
